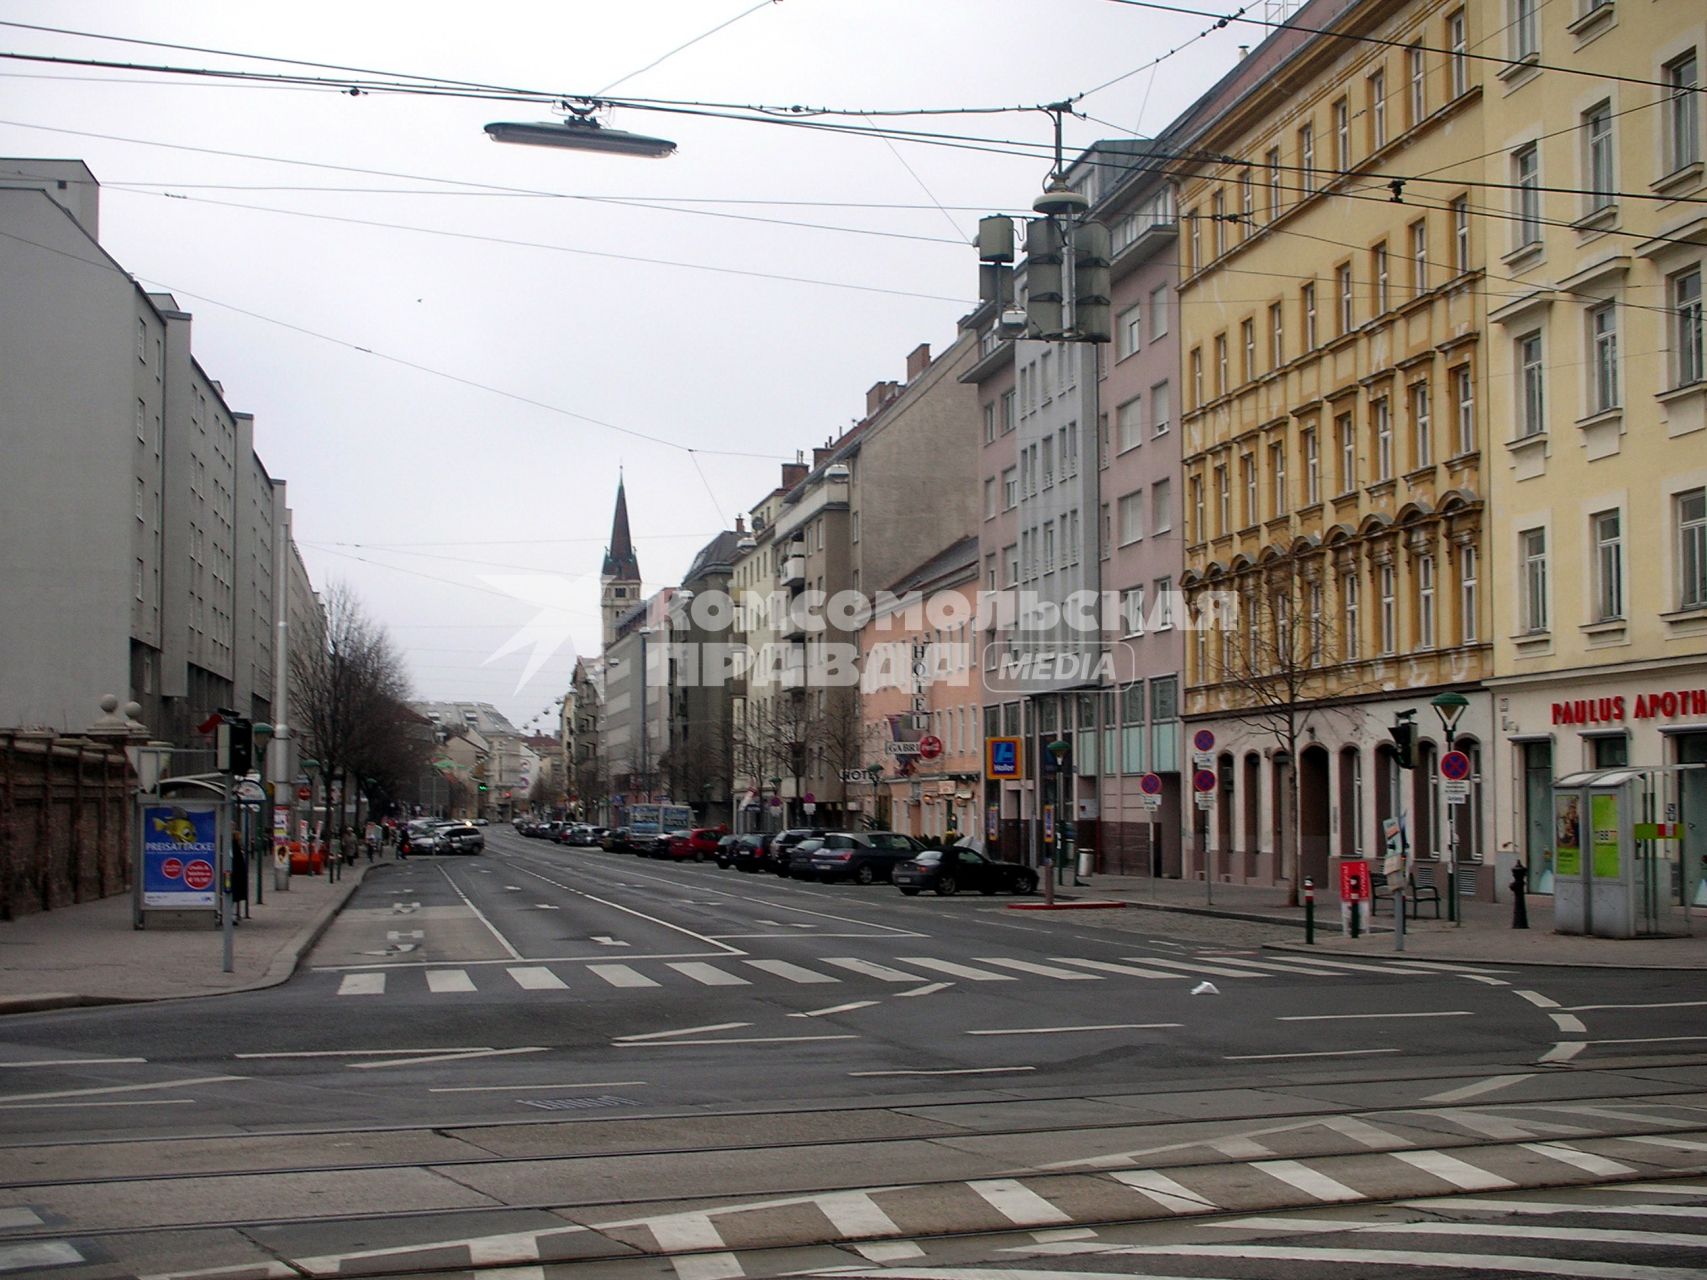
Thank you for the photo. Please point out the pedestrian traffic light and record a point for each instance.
(1404, 733)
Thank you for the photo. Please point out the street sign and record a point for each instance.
(809, 798)
(1203, 781)
(1048, 824)
(1002, 758)
(1151, 785)
(303, 793)
(1205, 800)
(1354, 880)
(1455, 766)
(1203, 760)
(1456, 792)
(901, 748)
(930, 746)
(248, 791)
(1203, 740)
(1153, 803)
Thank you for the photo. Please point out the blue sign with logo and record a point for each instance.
(1002, 758)
(180, 855)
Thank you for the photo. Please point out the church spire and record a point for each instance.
(620, 560)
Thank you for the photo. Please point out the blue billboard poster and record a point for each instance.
(180, 855)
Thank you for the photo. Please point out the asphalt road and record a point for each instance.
(733, 1068)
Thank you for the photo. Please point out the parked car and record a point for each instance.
(461, 837)
(796, 859)
(422, 836)
(752, 852)
(724, 856)
(617, 840)
(948, 871)
(864, 857)
(777, 851)
(697, 844)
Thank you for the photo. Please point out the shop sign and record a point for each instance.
(1618, 709)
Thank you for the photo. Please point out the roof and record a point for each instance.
(718, 554)
(952, 560)
(620, 560)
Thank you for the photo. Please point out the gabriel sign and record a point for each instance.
(1616, 710)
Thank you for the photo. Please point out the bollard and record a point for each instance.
(1356, 924)
(1519, 887)
(1309, 912)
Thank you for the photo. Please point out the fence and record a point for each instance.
(64, 822)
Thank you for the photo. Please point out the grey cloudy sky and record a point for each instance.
(430, 341)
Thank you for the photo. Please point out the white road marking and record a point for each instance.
(1307, 1180)
(546, 906)
(869, 969)
(1460, 1173)
(1651, 1040)
(513, 888)
(443, 1057)
(694, 1231)
(1564, 1051)
(1067, 1233)
(709, 975)
(11, 1219)
(1628, 1117)
(1676, 1144)
(116, 1088)
(1323, 1053)
(1108, 966)
(1241, 1148)
(480, 916)
(529, 1088)
(1351, 1017)
(1303, 966)
(537, 978)
(1018, 1203)
(620, 975)
(617, 906)
(1587, 1161)
(1042, 970)
(835, 1008)
(1503, 1207)
(1195, 967)
(1371, 966)
(949, 1071)
(1464, 1092)
(855, 1213)
(793, 972)
(889, 1251)
(1569, 1022)
(1169, 1194)
(1498, 1127)
(1048, 1031)
(1372, 1136)
(956, 970)
(39, 1253)
(1574, 1235)
(363, 1053)
(442, 981)
(1537, 999)
(362, 984)
(1485, 981)
(1667, 1004)
(605, 940)
(664, 1044)
(929, 989)
(73, 1062)
(1371, 1261)
(686, 1031)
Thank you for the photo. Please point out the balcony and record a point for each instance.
(792, 572)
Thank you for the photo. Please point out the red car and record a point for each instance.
(698, 844)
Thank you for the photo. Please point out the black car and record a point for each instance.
(782, 842)
(617, 840)
(725, 855)
(864, 857)
(948, 871)
(796, 860)
(752, 852)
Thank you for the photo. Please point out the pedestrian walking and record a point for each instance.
(239, 882)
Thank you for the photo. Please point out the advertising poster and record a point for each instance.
(1567, 835)
(1603, 810)
(180, 854)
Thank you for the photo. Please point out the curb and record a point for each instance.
(1216, 912)
(1075, 904)
(1341, 953)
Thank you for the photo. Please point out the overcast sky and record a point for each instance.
(353, 274)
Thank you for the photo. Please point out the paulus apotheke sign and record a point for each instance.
(1618, 710)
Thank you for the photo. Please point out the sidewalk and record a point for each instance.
(90, 954)
(1486, 934)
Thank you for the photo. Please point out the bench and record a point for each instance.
(1421, 889)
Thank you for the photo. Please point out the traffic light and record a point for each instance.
(1043, 278)
(1404, 733)
(1092, 287)
(482, 786)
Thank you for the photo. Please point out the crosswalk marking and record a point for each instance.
(708, 975)
(1042, 970)
(621, 975)
(855, 1213)
(1587, 1161)
(1196, 967)
(537, 978)
(793, 972)
(362, 984)
(1307, 1180)
(442, 980)
(1306, 966)
(1170, 1195)
(38, 1253)
(869, 969)
(1460, 1173)
(1379, 1260)
(956, 970)
(1018, 1203)
(10, 1219)
(1108, 966)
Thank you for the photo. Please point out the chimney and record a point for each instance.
(740, 524)
(1244, 52)
(918, 360)
(792, 474)
(879, 395)
(820, 457)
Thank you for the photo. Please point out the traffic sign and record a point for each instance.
(1151, 784)
(1203, 781)
(1203, 740)
(303, 793)
(1455, 766)
(1205, 800)
(1002, 758)
(1152, 803)
(1203, 760)
(1456, 792)
(930, 746)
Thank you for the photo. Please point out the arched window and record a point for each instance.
(1425, 800)
(1351, 802)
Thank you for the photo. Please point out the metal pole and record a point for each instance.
(1310, 912)
(1451, 847)
(228, 910)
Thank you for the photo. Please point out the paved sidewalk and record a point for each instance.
(90, 954)
(1485, 935)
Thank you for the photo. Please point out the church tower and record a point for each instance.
(619, 580)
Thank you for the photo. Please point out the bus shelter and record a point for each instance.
(1624, 864)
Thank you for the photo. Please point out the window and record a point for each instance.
(1312, 467)
(141, 499)
(1071, 534)
(989, 422)
(1467, 595)
(1220, 364)
(990, 498)
(1272, 161)
(1461, 234)
(1161, 506)
(1247, 203)
(1195, 241)
(1532, 564)
(1417, 71)
(1307, 156)
(1102, 442)
(1532, 419)
(1218, 221)
(1049, 463)
(1197, 530)
(1107, 517)
(1070, 449)
(1342, 135)
(1010, 565)
(1277, 477)
(1132, 611)
(1378, 265)
(141, 422)
(1608, 565)
(1345, 440)
(1197, 377)
(1009, 418)
(1129, 422)
(1131, 517)
(1425, 602)
(1683, 113)
(1276, 336)
(1308, 300)
(1159, 407)
(1464, 395)
(1458, 43)
(140, 573)
(1128, 333)
(1378, 111)
(1048, 546)
(1343, 275)
(1248, 476)
(1603, 355)
(141, 352)
(990, 580)
(1525, 31)
(1686, 320)
(1349, 638)
(1597, 156)
(1526, 178)
(1419, 257)
(1010, 489)
(1386, 579)
(1381, 420)
(1422, 427)
(1158, 312)
(1164, 604)
(1223, 499)
(1692, 549)
(1248, 340)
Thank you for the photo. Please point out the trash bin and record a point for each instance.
(1085, 864)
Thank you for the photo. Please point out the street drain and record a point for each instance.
(578, 1104)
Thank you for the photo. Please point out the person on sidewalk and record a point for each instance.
(239, 882)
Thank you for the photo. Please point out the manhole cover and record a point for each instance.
(578, 1104)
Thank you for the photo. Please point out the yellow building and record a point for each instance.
(1333, 330)
(1596, 225)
